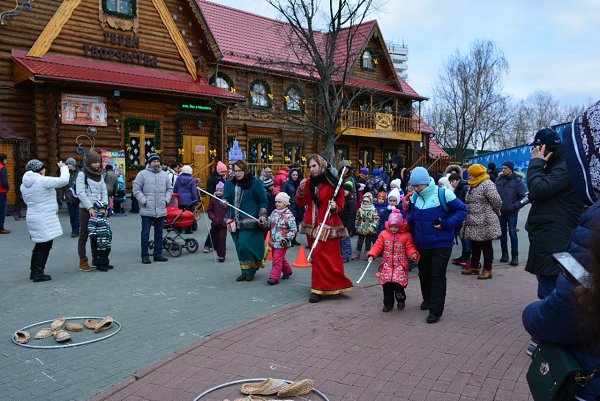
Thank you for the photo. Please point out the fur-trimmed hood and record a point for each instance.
(517, 173)
(453, 168)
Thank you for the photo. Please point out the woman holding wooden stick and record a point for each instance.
(317, 194)
(247, 194)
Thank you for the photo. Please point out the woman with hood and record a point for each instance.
(280, 178)
(290, 187)
(39, 193)
(482, 224)
(90, 188)
(185, 187)
(397, 171)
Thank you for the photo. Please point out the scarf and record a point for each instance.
(314, 183)
(478, 180)
(94, 174)
(368, 207)
(245, 182)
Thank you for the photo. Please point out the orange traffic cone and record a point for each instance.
(268, 249)
(301, 260)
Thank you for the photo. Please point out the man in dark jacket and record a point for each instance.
(555, 209)
(514, 196)
(493, 171)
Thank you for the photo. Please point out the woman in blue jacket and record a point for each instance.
(433, 227)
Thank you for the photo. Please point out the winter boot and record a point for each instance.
(470, 269)
(37, 267)
(514, 261)
(84, 266)
(504, 257)
(101, 262)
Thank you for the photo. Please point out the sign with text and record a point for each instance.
(83, 110)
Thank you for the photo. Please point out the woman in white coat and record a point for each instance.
(39, 193)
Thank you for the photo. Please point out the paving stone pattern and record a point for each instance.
(177, 319)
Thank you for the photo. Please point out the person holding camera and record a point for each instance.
(555, 208)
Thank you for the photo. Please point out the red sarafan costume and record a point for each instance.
(328, 277)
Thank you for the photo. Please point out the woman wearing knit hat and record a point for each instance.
(397, 247)
(219, 175)
(39, 193)
(185, 187)
(433, 227)
(90, 188)
(482, 224)
(283, 231)
(217, 212)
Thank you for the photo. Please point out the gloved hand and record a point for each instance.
(285, 242)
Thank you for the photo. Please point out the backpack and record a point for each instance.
(441, 197)
(71, 192)
(581, 141)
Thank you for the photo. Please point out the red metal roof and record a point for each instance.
(256, 41)
(423, 126)
(435, 150)
(79, 70)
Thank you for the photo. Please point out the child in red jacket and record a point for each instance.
(396, 245)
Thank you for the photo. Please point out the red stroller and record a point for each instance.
(176, 221)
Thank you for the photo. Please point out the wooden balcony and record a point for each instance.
(380, 125)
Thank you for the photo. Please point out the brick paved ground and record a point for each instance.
(354, 351)
(344, 343)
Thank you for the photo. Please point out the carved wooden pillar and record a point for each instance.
(51, 104)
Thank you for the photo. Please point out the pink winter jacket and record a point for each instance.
(396, 249)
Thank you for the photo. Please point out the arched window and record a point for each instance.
(260, 95)
(293, 100)
(221, 81)
(367, 61)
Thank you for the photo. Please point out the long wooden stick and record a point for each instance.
(339, 184)
(231, 206)
(363, 273)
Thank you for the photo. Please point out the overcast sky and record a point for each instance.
(551, 45)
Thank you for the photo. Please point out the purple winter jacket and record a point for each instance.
(216, 213)
(185, 186)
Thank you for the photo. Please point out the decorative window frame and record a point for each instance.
(301, 100)
(345, 151)
(369, 160)
(261, 157)
(268, 95)
(212, 81)
(212, 140)
(293, 152)
(133, 15)
(127, 138)
(373, 60)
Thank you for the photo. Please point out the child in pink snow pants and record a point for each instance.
(283, 230)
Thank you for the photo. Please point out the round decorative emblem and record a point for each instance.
(544, 368)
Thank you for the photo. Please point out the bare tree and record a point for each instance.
(468, 88)
(323, 41)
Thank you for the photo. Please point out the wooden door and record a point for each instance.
(195, 153)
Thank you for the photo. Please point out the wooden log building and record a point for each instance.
(184, 78)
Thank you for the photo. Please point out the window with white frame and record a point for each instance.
(367, 60)
(259, 94)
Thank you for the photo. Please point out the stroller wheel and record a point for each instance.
(191, 244)
(174, 249)
(151, 244)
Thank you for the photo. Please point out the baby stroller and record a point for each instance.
(175, 222)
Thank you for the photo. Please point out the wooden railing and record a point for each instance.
(379, 121)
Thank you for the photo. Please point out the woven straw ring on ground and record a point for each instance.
(74, 344)
(220, 386)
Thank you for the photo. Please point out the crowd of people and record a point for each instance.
(405, 217)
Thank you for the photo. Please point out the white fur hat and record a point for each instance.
(187, 170)
(397, 183)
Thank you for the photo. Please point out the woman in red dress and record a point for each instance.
(316, 193)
